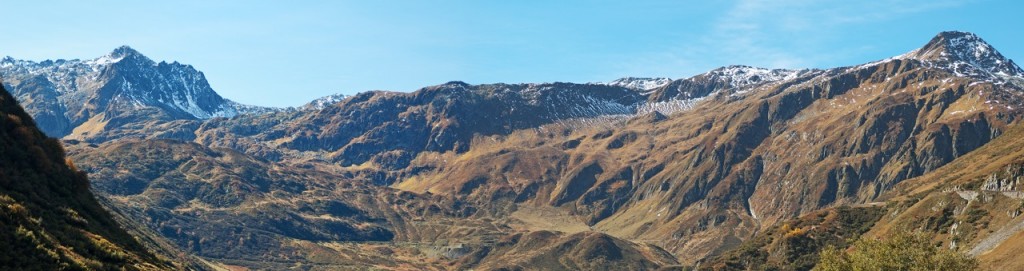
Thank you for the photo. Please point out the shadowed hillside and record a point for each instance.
(48, 218)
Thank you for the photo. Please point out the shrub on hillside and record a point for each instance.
(903, 251)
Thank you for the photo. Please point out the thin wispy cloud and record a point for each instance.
(783, 34)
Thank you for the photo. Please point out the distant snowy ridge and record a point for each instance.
(639, 83)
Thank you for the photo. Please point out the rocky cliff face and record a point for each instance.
(973, 204)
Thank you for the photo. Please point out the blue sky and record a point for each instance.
(285, 54)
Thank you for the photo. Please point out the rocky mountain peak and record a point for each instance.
(124, 50)
(123, 54)
(121, 84)
(965, 54)
(128, 55)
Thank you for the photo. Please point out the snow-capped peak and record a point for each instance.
(639, 83)
(131, 78)
(965, 54)
(119, 54)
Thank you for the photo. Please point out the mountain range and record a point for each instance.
(723, 170)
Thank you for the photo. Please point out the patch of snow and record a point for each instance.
(671, 106)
